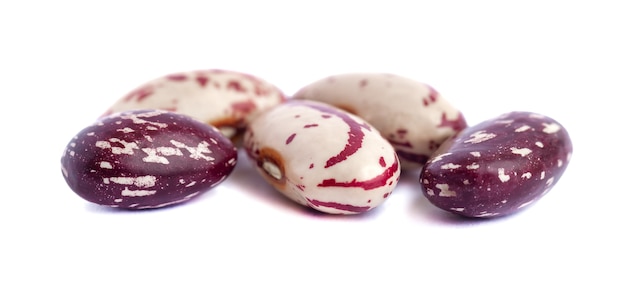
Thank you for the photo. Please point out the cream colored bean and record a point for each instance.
(413, 117)
(222, 98)
(322, 157)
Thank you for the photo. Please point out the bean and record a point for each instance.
(497, 167)
(146, 159)
(322, 157)
(413, 116)
(225, 99)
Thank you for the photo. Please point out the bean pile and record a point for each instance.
(337, 145)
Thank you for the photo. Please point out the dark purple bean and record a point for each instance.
(146, 159)
(498, 166)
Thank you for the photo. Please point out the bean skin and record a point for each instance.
(146, 159)
(322, 157)
(226, 99)
(497, 167)
(411, 115)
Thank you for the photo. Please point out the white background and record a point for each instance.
(62, 63)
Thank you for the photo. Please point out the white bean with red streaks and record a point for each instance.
(225, 99)
(411, 115)
(323, 157)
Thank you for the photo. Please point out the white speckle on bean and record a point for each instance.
(543, 175)
(450, 166)
(527, 175)
(479, 137)
(137, 193)
(539, 144)
(140, 181)
(475, 154)
(126, 130)
(444, 190)
(503, 177)
(521, 151)
(559, 163)
(551, 128)
(473, 166)
(522, 128)
(197, 152)
(104, 164)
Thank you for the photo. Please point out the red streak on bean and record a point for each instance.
(363, 83)
(236, 86)
(202, 80)
(290, 138)
(456, 124)
(432, 95)
(311, 125)
(244, 107)
(355, 134)
(343, 207)
(381, 161)
(376, 182)
(311, 166)
(140, 93)
(177, 77)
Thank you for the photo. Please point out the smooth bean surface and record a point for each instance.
(499, 166)
(411, 115)
(322, 157)
(223, 98)
(146, 159)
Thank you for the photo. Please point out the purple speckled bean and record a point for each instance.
(498, 166)
(146, 159)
